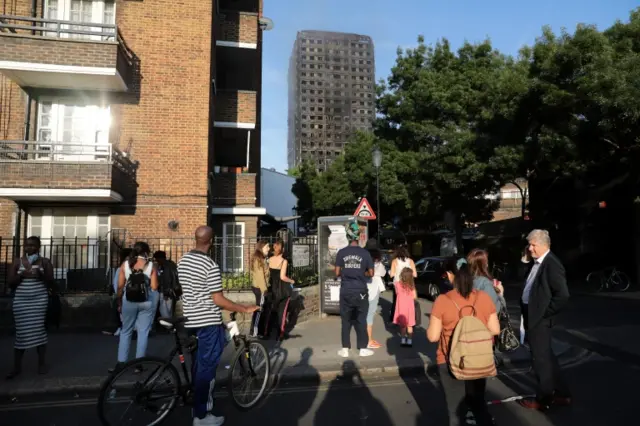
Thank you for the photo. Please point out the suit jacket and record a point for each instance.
(549, 292)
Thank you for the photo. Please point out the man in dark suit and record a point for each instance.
(545, 294)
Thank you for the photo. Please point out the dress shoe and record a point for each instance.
(533, 404)
(562, 400)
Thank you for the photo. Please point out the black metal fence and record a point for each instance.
(87, 265)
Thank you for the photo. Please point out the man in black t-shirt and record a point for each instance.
(354, 266)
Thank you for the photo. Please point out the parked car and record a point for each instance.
(432, 279)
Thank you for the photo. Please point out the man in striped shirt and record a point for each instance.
(203, 302)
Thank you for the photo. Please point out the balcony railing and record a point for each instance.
(17, 28)
(57, 28)
(64, 165)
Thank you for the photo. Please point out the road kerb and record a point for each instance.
(290, 374)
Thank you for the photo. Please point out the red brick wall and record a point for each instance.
(168, 128)
(236, 106)
(238, 27)
(12, 106)
(231, 189)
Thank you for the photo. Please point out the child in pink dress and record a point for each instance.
(405, 314)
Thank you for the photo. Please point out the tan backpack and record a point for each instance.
(471, 347)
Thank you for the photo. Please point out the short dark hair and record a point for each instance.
(35, 240)
(376, 254)
(160, 255)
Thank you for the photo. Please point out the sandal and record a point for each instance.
(374, 345)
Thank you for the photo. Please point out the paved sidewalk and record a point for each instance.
(79, 362)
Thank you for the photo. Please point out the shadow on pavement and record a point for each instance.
(363, 408)
(412, 369)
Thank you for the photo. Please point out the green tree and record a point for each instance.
(439, 105)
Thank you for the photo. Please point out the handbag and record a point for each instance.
(507, 340)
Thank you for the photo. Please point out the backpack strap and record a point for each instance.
(472, 306)
(127, 270)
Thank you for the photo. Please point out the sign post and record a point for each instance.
(364, 210)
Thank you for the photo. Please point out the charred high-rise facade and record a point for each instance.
(331, 94)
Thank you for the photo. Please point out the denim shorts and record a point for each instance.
(373, 307)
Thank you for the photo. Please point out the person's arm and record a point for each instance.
(339, 264)
(558, 286)
(14, 276)
(47, 273)
(392, 272)
(415, 294)
(413, 268)
(493, 324)
(434, 331)
(154, 279)
(121, 281)
(283, 273)
(368, 265)
(214, 279)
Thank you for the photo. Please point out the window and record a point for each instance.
(232, 250)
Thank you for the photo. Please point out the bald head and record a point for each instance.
(204, 235)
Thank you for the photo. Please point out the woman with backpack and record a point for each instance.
(137, 299)
(464, 321)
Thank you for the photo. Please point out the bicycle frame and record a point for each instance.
(177, 350)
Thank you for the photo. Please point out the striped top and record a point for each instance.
(199, 277)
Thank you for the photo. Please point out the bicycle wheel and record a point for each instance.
(150, 384)
(595, 281)
(619, 281)
(249, 375)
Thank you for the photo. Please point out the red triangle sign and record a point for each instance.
(364, 210)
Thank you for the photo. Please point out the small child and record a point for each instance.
(405, 314)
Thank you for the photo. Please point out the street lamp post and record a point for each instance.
(377, 162)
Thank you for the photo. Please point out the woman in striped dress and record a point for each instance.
(31, 277)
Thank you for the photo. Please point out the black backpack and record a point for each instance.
(137, 286)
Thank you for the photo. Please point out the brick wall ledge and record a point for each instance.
(237, 12)
(65, 40)
(236, 91)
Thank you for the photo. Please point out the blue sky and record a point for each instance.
(508, 23)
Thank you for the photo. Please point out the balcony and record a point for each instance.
(235, 109)
(234, 193)
(238, 29)
(68, 172)
(241, 5)
(51, 54)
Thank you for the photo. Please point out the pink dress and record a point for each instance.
(405, 314)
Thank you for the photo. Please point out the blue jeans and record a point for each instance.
(139, 316)
(211, 342)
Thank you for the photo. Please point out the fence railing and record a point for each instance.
(88, 264)
(19, 151)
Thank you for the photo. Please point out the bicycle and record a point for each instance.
(610, 279)
(164, 387)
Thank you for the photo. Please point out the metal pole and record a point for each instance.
(378, 202)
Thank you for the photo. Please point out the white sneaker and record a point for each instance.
(403, 341)
(344, 352)
(409, 342)
(210, 420)
(366, 352)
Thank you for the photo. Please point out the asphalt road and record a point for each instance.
(605, 393)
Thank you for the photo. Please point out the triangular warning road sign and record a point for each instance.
(365, 211)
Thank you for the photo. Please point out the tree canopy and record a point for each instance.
(454, 126)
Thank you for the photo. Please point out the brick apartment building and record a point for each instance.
(131, 118)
